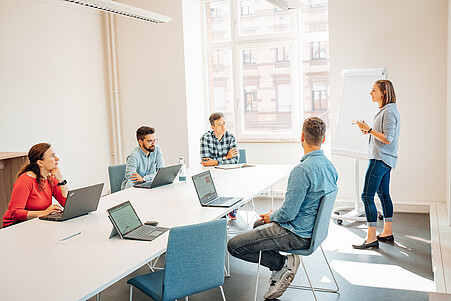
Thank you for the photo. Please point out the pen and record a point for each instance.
(70, 236)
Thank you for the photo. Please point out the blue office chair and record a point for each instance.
(117, 174)
(195, 258)
(319, 234)
(242, 156)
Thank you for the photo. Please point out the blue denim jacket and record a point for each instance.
(145, 166)
(388, 122)
(311, 179)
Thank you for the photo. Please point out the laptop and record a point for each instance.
(207, 194)
(127, 224)
(164, 176)
(79, 201)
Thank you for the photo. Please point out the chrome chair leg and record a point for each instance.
(131, 292)
(99, 296)
(222, 293)
(258, 273)
(319, 289)
(308, 278)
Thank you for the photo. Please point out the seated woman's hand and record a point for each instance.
(52, 208)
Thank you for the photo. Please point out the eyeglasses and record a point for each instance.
(153, 141)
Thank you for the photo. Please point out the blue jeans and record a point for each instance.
(268, 238)
(377, 179)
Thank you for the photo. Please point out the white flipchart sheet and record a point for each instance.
(355, 104)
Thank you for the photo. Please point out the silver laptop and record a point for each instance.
(127, 224)
(164, 176)
(207, 194)
(79, 201)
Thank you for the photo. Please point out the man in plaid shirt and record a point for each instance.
(218, 146)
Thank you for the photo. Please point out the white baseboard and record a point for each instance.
(405, 206)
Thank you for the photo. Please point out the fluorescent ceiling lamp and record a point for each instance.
(123, 10)
(286, 4)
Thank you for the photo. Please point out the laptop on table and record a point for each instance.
(79, 201)
(164, 176)
(207, 193)
(127, 224)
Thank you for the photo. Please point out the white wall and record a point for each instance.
(409, 38)
(151, 77)
(52, 85)
(448, 115)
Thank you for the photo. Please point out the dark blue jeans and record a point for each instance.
(377, 179)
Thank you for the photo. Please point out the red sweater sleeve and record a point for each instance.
(57, 194)
(19, 197)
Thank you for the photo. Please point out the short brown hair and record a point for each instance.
(386, 86)
(314, 129)
(143, 131)
(215, 116)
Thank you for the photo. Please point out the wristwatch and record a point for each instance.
(369, 131)
(64, 182)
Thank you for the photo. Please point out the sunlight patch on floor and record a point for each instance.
(382, 276)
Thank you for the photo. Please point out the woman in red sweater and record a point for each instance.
(36, 183)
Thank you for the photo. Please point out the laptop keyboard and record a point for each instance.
(220, 200)
(142, 231)
(54, 216)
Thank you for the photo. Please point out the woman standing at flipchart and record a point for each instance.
(383, 148)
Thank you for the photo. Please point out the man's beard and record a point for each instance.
(150, 149)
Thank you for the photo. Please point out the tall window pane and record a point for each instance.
(266, 91)
(217, 21)
(220, 83)
(258, 17)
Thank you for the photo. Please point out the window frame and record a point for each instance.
(290, 39)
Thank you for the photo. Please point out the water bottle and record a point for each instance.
(182, 172)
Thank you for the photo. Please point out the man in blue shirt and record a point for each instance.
(290, 227)
(145, 160)
(218, 146)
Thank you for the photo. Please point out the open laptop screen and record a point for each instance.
(125, 218)
(204, 185)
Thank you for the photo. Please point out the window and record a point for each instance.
(318, 3)
(248, 57)
(318, 50)
(282, 55)
(259, 61)
(217, 21)
(319, 97)
(250, 99)
(247, 7)
(216, 10)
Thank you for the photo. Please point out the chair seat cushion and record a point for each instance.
(150, 284)
(302, 252)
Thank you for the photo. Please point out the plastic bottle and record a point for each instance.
(182, 172)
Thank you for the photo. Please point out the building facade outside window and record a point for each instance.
(267, 69)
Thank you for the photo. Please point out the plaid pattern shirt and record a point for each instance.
(211, 147)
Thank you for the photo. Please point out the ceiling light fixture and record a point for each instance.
(123, 10)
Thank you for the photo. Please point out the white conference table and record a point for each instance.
(36, 265)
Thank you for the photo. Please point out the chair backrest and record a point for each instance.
(321, 226)
(116, 174)
(195, 258)
(242, 156)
